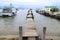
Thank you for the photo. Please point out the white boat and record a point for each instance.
(7, 12)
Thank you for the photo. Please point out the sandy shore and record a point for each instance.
(9, 37)
(53, 37)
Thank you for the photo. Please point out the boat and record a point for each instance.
(7, 12)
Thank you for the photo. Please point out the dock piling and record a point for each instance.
(20, 32)
(44, 32)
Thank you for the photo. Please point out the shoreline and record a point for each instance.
(9, 37)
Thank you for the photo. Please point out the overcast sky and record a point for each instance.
(30, 3)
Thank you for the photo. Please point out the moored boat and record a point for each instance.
(7, 12)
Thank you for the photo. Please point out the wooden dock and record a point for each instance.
(29, 31)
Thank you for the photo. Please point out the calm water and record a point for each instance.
(10, 25)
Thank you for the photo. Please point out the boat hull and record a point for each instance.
(7, 14)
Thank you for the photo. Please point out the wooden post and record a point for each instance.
(44, 32)
(20, 32)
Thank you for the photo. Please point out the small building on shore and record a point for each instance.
(48, 8)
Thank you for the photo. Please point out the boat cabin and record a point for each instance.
(7, 10)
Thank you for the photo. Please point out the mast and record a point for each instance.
(11, 5)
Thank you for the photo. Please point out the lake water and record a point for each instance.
(10, 25)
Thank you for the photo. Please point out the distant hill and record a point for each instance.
(1, 7)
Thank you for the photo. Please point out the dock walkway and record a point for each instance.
(29, 31)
